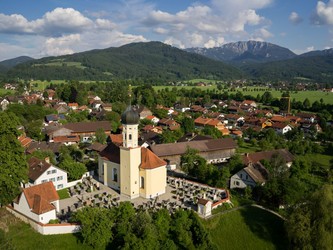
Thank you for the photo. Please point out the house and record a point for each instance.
(50, 94)
(84, 130)
(61, 108)
(133, 170)
(209, 122)
(181, 108)
(281, 128)
(152, 118)
(54, 118)
(4, 103)
(249, 103)
(39, 203)
(250, 176)
(204, 207)
(73, 105)
(213, 150)
(41, 171)
(24, 140)
(107, 107)
(268, 155)
(143, 111)
(169, 123)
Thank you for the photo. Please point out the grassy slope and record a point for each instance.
(247, 228)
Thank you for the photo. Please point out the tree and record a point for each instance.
(100, 136)
(188, 125)
(13, 164)
(96, 224)
(211, 131)
(309, 225)
(75, 169)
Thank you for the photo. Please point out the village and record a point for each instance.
(133, 163)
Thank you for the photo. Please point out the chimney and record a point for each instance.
(47, 159)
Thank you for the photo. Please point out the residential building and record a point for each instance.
(39, 203)
(250, 176)
(42, 171)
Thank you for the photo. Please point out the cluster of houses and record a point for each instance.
(134, 162)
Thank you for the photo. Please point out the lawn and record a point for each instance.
(22, 236)
(247, 228)
(247, 148)
(4, 92)
(63, 193)
(321, 159)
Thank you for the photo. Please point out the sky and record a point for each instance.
(39, 28)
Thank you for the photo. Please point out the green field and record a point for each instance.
(247, 228)
(252, 91)
(4, 92)
(61, 63)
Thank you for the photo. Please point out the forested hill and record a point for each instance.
(152, 60)
(315, 68)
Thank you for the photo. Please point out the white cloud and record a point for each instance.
(206, 23)
(295, 18)
(61, 45)
(324, 13)
(311, 48)
(229, 20)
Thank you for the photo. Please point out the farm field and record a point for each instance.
(252, 91)
(247, 228)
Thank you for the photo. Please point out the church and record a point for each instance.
(132, 170)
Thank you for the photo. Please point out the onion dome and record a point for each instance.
(130, 116)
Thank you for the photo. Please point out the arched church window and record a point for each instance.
(142, 182)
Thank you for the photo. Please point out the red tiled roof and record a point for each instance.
(278, 118)
(67, 138)
(267, 155)
(117, 139)
(25, 141)
(149, 160)
(202, 201)
(39, 197)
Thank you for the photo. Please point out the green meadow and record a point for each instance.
(254, 91)
(247, 228)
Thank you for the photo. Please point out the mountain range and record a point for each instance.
(246, 52)
(158, 63)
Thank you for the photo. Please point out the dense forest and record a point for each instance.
(154, 60)
(159, 63)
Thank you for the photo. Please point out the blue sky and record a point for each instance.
(55, 27)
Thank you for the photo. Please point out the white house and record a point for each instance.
(281, 128)
(251, 176)
(4, 103)
(42, 171)
(39, 203)
(204, 207)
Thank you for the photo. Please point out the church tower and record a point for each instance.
(130, 154)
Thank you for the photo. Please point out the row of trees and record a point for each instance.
(123, 227)
(13, 164)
